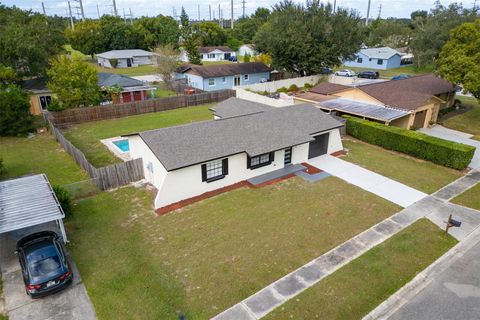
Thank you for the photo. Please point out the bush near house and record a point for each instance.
(443, 152)
(64, 198)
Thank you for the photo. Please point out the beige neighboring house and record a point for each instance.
(40, 95)
(412, 102)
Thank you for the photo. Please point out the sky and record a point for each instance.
(389, 8)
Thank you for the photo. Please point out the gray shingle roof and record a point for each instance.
(182, 146)
(110, 79)
(234, 107)
(380, 53)
(123, 54)
(210, 49)
(221, 70)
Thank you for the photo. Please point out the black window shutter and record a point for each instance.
(225, 166)
(204, 172)
(272, 156)
(248, 161)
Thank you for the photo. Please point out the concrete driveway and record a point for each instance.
(382, 186)
(72, 303)
(456, 136)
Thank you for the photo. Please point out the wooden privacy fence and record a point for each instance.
(112, 176)
(79, 115)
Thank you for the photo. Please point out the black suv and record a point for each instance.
(368, 74)
(45, 268)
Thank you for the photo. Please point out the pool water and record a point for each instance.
(122, 145)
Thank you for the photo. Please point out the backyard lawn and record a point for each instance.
(419, 174)
(204, 258)
(357, 288)
(467, 122)
(40, 154)
(470, 198)
(86, 136)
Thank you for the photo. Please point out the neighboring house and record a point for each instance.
(223, 76)
(131, 89)
(40, 95)
(247, 49)
(412, 102)
(125, 58)
(383, 58)
(189, 160)
(217, 53)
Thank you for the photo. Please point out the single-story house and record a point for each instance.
(412, 102)
(131, 89)
(125, 58)
(186, 161)
(247, 49)
(383, 58)
(40, 95)
(215, 53)
(223, 76)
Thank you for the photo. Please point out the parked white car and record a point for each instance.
(345, 73)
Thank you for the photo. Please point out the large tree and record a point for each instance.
(28, 40)
(191, 40)
(459, 60)
(246, 27)
(15, 117)
(74, 83)
(168, 59)
(306, 38)
(431, 32)
(156, 31)
(86, 37)
(389, 32)
(210, 33)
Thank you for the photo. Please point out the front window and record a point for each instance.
(224, 80)
(214, 169)
(380, 61)
(260, 160)
(211, 82)
(359, 60)
(245, 77)
(211, 55)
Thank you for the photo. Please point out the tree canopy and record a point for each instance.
(28, 40)
(15, 117)
(210, 33)
(391, 32)
(191, 40)
(246, 27)
(306, 38)
(459, 60)
(74, 83)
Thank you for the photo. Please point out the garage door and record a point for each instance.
(319, 146)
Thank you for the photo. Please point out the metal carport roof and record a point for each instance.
(363, 109)
(28, 201)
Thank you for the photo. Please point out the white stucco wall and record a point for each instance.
(334, 141)
(122, 63)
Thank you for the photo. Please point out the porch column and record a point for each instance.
(62, 230)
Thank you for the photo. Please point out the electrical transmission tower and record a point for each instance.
(79, 9)
(243, 8)
(71, 17)
(368, 13)
(379, 11)
(115, 12)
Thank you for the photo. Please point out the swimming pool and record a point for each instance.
(122, 145)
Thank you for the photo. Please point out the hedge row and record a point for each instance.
(447, 153)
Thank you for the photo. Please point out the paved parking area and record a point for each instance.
(72, 303)
(382, 186)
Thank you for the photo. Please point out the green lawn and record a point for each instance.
(410, 70)
(40, 154)
(357, 288)
(86, 136)
(467, 122)
(419, 174)
(470, 198)
(206, 257)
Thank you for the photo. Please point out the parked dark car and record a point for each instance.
(326, 70)
(401, 77)
(45, 268)
(368, 75)
(232, 58)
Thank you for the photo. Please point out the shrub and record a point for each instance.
(416, 144)
(15, 117)
(246, 57)
(2, 166)
(114, 63)
(307, 85)
(65, 199)
(282, 89)
(293, 88)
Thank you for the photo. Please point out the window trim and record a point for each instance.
(211, 56)
(359, 60)
(224, 79)
(380, 62)
(214, 82)
(271, 158)
(246, 77)
(224, 168)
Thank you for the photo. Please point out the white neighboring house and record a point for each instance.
(247, 49)
(126, 58)
(217, 53)
(247, 140)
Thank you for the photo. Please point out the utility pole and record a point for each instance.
(198, 12)
(81, 9)
(131, 16)
(368, 13)
(243, 8)
(124, 16)
(115, 12)
(213, 14)
(44, 12)
(98, 12)
(379, 11)
(71, 18)
(220, 16)
(334, 5)
(231, 10)
(210, 12)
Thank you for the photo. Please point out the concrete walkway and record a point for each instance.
(457, 136)
(436, 209)
(382, 186)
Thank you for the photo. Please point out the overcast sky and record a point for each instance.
(389, 8)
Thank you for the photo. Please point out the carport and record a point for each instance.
(27, 202)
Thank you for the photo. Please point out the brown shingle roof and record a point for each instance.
(410, 93)
(210, 49)
(328, 88)
(221, 70)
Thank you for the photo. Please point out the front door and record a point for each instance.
(288, 156)
(319, 146)
(129, 62)
(236, 81)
